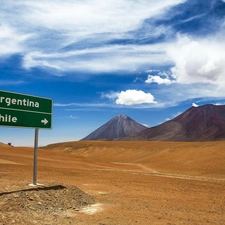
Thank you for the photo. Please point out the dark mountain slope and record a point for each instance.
(203, 123)
(118, 127)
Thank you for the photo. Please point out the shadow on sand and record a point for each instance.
(41, 188)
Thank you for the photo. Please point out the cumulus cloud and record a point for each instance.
(133, 97)
(198, 70)
(158, 80)
(198, 61)
(159, 77)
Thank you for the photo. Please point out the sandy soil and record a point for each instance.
(114, 183)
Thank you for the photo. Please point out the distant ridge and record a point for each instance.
(118, 127)
(203, 123)
(5, 145)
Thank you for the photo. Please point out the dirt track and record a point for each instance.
(114, 183)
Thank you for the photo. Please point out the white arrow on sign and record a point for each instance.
(44, 121)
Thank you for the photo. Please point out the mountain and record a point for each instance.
(118, 127)
(203, 123)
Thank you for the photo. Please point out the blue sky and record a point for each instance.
(96, 59)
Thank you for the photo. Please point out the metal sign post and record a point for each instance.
(19, 110)
(35, 157)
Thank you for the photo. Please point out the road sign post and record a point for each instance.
(19, 110)
(35, 157)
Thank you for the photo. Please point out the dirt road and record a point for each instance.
(111, 184)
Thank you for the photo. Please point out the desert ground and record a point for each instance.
(114, 183)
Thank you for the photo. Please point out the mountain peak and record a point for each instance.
(122, 116)
(118, 127)
(202, 123)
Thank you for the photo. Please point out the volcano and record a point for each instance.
(118, 127)
(203, 123)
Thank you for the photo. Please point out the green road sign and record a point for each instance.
(21, 110)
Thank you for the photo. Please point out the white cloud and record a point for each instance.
(67, 117)
(194, 105)
(111, 95)
(158, 80)
(133, 97)
(219, 103)
(85, 17)
(11, 41)
(73, 117)
(11, 82)
(100, 59)
(198, 61)
(43, 30)
(156, 76)
(80, 105)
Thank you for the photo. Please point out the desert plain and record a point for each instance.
(114, 183)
